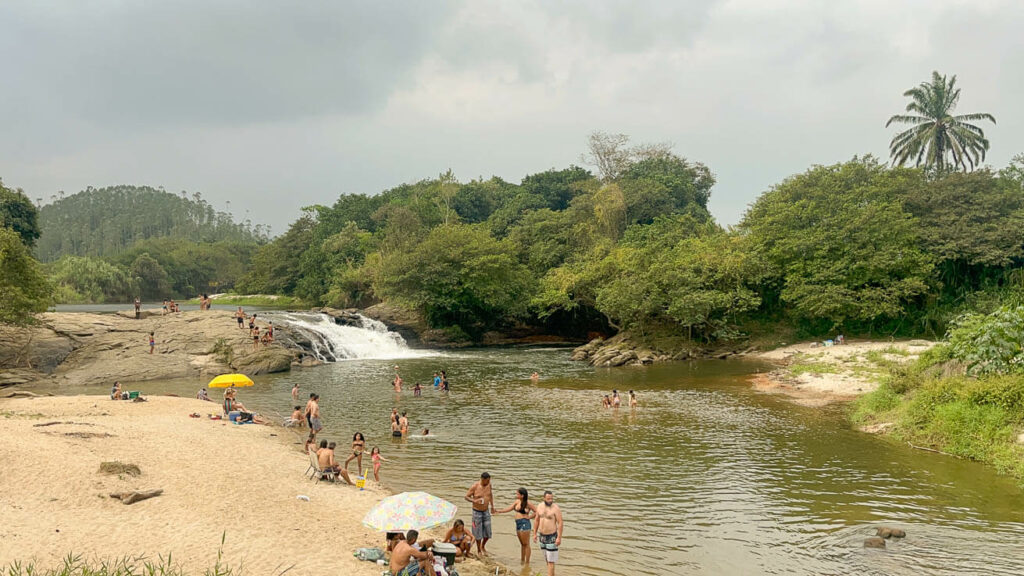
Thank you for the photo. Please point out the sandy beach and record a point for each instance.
(218, 478)
(815, 375)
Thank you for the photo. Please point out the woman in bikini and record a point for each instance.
(377, 459)
(463, 540)
(358, 444)
(524, 513)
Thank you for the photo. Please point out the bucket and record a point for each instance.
(445, 550)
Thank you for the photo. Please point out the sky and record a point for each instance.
(266, 107)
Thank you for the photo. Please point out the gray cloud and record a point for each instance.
(275, 108)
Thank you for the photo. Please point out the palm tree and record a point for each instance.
(936, 138)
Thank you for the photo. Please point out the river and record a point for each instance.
(705, 477)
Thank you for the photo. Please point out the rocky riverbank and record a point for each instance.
(84, 349)
(625, 349)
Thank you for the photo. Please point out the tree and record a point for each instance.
(24, 290)
(151, 276)
(19, 214)
(80, 279)
(459, 275)
(937, 139)
(844, 251)
(610, 155)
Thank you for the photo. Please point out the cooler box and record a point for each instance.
(445, 550)
(133, 394)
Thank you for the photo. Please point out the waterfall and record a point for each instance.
(328, 341)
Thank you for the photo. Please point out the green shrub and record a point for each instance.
(873, 405)
(991, 343)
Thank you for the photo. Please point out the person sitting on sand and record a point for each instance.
(115, 391)
(463, 540)
(329, 464)
(202, 395)
(407, 560)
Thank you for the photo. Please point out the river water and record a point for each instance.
(705, 477)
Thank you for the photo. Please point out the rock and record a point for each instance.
(579, 354)
(263, 361)
(883, 532)
(343, 317)
(36, 347)
(897, 533)
(622, 359)
(143, 314)
(874, 542)
(1020, 438)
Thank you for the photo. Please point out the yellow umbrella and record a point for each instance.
(228, 380)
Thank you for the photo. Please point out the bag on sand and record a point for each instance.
(369, 554)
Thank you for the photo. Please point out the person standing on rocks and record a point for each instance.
(240, 316)
(549, 530)
(483, 505)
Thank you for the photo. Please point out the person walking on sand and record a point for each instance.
(358, 445)
(152, 342)
(549, 530)
(240, 317)
(377, 459)
(483, 505)
(525, 511)
(138, 308)
(295, 391)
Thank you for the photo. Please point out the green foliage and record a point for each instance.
(937, 139)
(24, 290)
(459, 275)
(990, 343)
(105, 222)
(844, 251)
(89, 281)
(151, 277)
(19, 214)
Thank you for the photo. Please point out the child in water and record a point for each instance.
(416, 390)
(377, 459)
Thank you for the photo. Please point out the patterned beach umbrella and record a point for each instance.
(409, 511)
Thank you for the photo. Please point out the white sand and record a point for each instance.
(217, 478)
(849, 374)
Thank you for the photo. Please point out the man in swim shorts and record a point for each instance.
(549, 530)
(313, 417)
(483, 505)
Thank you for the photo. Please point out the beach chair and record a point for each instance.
(319, 473)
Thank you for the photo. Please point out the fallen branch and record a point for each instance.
(59, 422)
(136, 495)
(931, 450)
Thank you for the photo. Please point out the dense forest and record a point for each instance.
(859, 246)
(112, 244)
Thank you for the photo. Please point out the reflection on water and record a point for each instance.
(706, 477)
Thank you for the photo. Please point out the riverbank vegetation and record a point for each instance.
(964, 397)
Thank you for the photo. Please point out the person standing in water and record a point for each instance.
(615, 399)
(483, 504)
(632, 399)
(313, 416)
(295, 391)
(403, 425)
(437, 380)
(525, 511)
(549, 530)
(534, 377)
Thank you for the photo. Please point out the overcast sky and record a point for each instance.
(273, 109)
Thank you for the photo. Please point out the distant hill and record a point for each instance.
(104, 222)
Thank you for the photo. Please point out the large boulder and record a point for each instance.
(264, 361)
(36, 347)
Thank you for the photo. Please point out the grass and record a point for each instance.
(78, 565)
(798, 368)
(978, 419)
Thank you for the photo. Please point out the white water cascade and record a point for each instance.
(333, 342)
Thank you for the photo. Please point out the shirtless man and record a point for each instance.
(240, 317)
(549, 530)
(406, 560)
(312, 413)
(483, 505)
(329, 464)
(295, 391)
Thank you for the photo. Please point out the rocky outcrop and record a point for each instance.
(408, 323)
(83, 348)
(621, 350)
